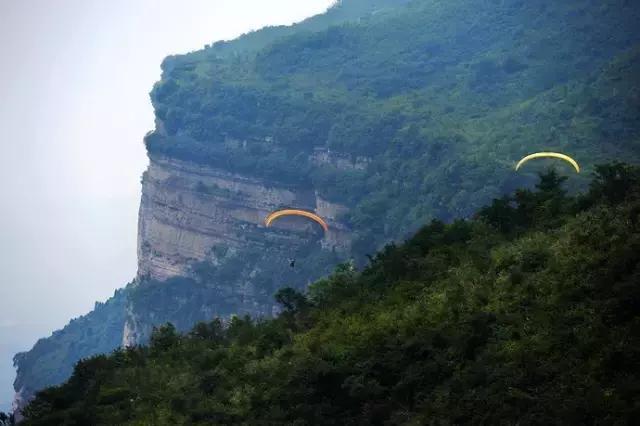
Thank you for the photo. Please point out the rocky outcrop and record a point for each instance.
(189, 213)
(20, 399)
(130, 334)
(323, 156)
(339, 235)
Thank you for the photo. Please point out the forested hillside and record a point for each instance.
(440, 99)
(526, 314)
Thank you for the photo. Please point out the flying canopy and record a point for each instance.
(295, 212)
(566, 158)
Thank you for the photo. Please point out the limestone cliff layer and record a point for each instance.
(189, 210)
(204, 251)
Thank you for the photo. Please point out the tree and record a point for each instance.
(164, 337)
(6, 419)
(209, 331)
(550, 183)
(613, 182)
(500, 214)
(291, 300)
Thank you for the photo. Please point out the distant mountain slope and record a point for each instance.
(526, 315)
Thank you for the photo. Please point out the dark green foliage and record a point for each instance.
(291, 300)
(525, 208)
(613, 182)
(515, 317)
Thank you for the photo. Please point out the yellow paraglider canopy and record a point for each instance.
(564, 157)
(295, 212)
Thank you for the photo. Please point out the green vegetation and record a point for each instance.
(526, 314)
(442, 97)
(230, 288)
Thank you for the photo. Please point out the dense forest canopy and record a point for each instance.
(527, 314)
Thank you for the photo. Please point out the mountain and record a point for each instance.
(378, 115)
(527, 314)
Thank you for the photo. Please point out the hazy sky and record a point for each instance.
(74, 106)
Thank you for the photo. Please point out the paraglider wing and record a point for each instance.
(295, 212)
(564, 157)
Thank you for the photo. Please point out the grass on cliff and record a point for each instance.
(526, 314)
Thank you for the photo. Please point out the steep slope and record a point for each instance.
(380, 115)
(526, 315)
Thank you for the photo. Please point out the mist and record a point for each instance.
(74, 108)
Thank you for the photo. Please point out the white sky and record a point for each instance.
(74, 106)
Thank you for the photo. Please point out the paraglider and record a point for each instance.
(564, 157)
(295, 212)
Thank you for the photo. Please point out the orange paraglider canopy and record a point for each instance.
(295, 212)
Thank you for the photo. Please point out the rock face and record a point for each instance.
(188, 210)
(19, 401)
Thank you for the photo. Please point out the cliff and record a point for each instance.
(202, 228)
(190, 212)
